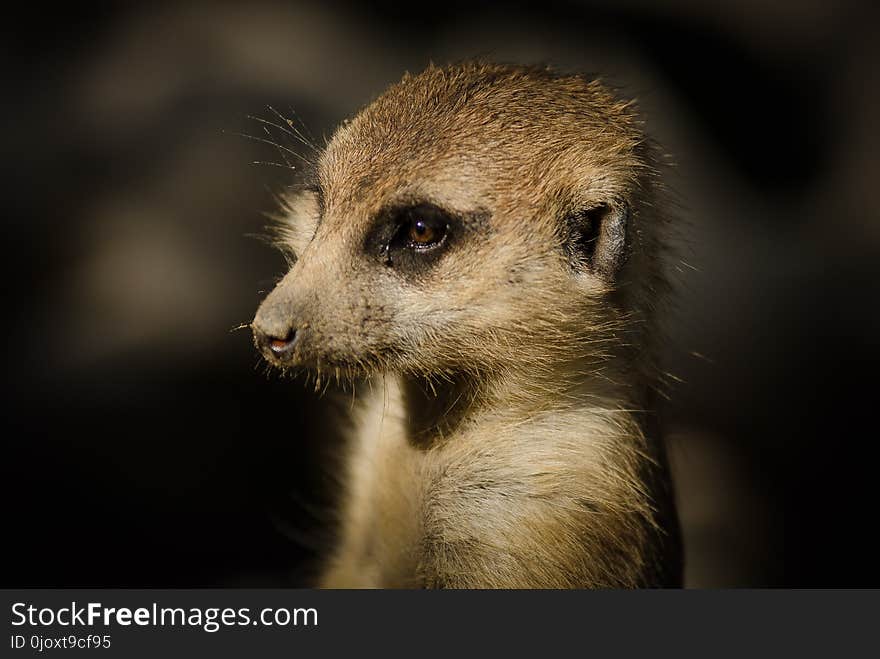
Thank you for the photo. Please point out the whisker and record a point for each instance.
(289, 128)
(278, 147)
(273, 164)
(311, 139)
(273, 144)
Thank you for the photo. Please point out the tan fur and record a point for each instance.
(508, 439)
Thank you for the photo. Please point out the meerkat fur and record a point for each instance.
(488, 245)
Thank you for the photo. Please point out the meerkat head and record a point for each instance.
(472, 218)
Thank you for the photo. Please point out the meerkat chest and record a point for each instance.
(381, 516)
(479, 488)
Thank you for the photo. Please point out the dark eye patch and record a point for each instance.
(412, 238)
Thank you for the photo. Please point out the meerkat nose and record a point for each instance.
(279, 344)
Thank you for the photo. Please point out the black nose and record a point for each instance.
(278, 345)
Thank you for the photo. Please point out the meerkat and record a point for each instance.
(487, 243)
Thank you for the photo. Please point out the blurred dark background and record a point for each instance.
(145, 446)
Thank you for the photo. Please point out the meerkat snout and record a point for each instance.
(491, 241)
(275, 329)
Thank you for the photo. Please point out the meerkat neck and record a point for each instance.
(436, 408)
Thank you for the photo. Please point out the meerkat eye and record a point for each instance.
(423, 234)
(422, 227)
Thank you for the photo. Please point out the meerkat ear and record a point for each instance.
(597, 238)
